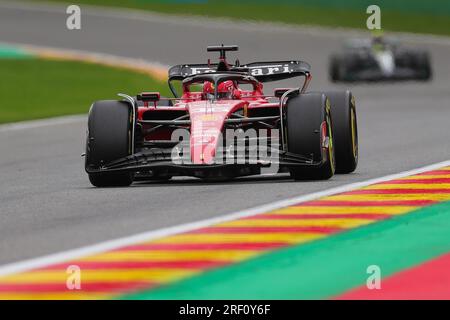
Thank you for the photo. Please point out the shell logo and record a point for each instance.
(208, 117)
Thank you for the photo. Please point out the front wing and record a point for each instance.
(161, 159)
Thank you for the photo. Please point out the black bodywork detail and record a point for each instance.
(157, 159)
(262, 71)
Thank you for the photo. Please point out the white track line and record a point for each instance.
(155, 234)
(32, 124)
(196, 21)
(217, 23)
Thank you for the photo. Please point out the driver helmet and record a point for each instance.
(224, 90)
(208, 90)
(378, 43)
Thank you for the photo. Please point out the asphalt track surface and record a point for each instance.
(46, 202)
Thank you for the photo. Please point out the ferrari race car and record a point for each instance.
(223, 126)
(379, 59)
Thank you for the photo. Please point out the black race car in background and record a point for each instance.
(379, 59)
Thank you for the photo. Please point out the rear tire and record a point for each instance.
(108, 138)
(345, 130)
(334, 69)
(308, 127)
(424, 66)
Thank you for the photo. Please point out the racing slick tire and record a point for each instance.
(334, 68)
(108, 138)
(345, 130)
(423, 63)
(309, 132)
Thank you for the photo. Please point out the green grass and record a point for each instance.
(324, 268)
(35, 88)
(397, 15)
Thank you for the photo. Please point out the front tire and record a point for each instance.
(108, 138)
(309, 133)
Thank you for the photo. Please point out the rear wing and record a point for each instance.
(262, 71)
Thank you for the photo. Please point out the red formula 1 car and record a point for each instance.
(223, 126)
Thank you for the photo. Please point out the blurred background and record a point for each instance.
(48, 70)
(415, 16)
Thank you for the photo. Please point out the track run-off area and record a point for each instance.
(291, 249)
(177, 239)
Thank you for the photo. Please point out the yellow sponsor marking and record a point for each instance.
(156, 255)
(241, 238)
(389, 197)
(151, 275)
(346, 210)
(408, 186)
(342, 223)
(209, 117)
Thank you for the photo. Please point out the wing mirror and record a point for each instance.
(278, 92)
(147, 97)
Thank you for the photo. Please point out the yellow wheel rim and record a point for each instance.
(354, 137)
